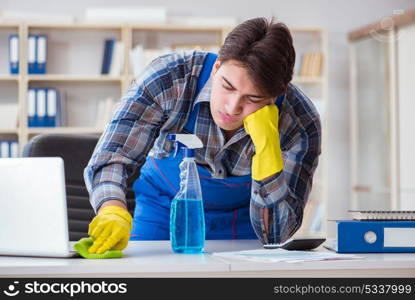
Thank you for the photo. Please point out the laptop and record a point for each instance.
(33, 211)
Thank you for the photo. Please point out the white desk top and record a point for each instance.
(156, 259)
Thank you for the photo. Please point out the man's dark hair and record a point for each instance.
(266, 50)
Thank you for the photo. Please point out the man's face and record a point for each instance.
(234, 95)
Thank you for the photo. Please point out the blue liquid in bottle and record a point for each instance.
(187, 219)
(188, 230)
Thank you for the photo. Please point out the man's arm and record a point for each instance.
(128, 138)
(277, 202)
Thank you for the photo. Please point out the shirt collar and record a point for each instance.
(204, 94)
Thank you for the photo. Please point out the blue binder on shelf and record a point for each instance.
(14, 53)
(107, 57)
(41, 107)
(44, 108)
(53, 109)
(31, 108)
(37, 54)
(31, 54)
(379, 236)
(41, 54)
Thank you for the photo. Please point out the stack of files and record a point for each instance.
(383, 215)
(375, 232)
(113, 58)
(44, 108)
(36, 54)
(8, 149)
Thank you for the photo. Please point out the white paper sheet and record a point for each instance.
(281, 255)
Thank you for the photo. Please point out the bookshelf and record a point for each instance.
(74, 57)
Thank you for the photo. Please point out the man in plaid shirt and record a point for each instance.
(261, 136)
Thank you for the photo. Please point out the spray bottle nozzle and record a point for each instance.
(186, 141)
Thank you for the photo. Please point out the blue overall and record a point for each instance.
(226, 201)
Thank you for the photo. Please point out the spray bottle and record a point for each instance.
(187, 221)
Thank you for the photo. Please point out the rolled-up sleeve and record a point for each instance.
(285, 194)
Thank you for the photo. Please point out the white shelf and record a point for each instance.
(307, 30)
(76, 26)
(5, 77)
(119, 26)
(175, 27)
(8, 131)
(65, 77)
(8, 24)
(65, 130)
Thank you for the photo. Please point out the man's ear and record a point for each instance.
(216, 67)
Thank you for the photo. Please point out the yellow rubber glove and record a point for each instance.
(110, 229)
(262, 126)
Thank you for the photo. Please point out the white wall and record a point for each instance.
(338, 17)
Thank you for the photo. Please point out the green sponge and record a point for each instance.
(83, 245)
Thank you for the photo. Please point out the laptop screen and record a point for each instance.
(33, 211)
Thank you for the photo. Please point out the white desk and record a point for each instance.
(155, 259)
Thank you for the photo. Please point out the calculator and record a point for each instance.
(297, 244)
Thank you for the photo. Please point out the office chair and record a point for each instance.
(75, 150)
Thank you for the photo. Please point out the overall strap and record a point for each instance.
(279, 100)
(201, 81)
(205, 73)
